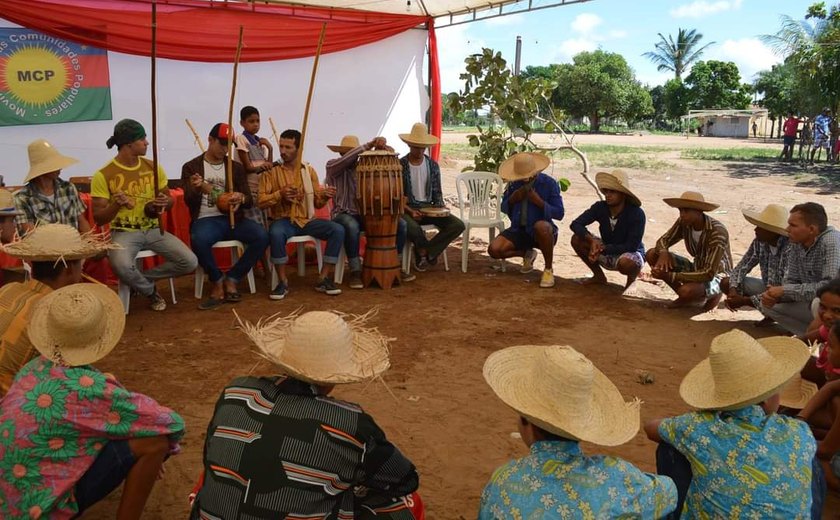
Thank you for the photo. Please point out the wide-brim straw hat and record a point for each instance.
(617, 180)
(322, 347)
(419, 136)
(559, 390)
(691, 200)
(797, 392)
(7, 204)
(741, 371)
(523, 165)
(773, 218)
(56, 242)
(44, 158)
(78, 324)
(348, 142)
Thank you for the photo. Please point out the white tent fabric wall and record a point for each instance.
(376, 89)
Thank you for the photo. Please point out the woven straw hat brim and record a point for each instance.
(339, 149)
(54, 163)
(698, 387)
(506, 169)
(49, 343)
(612, 421)
(419, 140)
(753, 218)
(797, 392)
(35, 256)
(606, 181)
(676, 202)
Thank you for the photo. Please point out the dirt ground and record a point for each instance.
(439, 410)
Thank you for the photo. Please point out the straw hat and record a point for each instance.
(348, 142)
(7, 204)
(741, 370)
(797, 392)
(419, 136)
(322, 347)
(616, 180)
(49, 242)
(523, 165)
(691, 200)
(78, 324)
(772, 218)
(559, 390)
(44, 158)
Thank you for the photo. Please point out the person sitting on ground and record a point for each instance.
(46, 199)
(422, 188)
(621, 222)
(533, 202)
(706, 239)
(341, 173)
(561, 399)
(813, 260)
(821, 369)
(256, 156)
(204, 180)
(8, 214)
(299, 452)
(54, 253)
(70, 433)
(124, 197)
(735, 457)
(768, 251)
(291, 197)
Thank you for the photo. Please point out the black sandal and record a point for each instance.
(233, 297)
(210, 303)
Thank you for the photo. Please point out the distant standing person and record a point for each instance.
(822, 124)
(789, 130)
(755, 129)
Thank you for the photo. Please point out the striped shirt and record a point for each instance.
(807, 269)
(771, 261)
(64, 207)
(271, 198)
(16, 303)
(711, 252)
(276, 449)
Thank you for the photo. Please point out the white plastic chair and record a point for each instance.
(408, 251)
(300, 240)
(235, 247)
(125, 291)
(479, 189)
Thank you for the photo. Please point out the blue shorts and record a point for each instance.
(682, 264)
(108, 471)
(789, 140)
(521, 239)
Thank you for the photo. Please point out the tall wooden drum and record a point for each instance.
(379, 188)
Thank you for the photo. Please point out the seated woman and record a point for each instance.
(70, 434)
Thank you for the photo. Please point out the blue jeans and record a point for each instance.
(205, 232)
(353, 226)
(283, 229)
(107, 472)
(179, 259)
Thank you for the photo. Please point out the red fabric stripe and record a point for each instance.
(436, 112)
(94, 67)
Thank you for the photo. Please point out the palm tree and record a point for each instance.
(677, 55)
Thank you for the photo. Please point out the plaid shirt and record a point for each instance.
(771, 264)
(807, 269)
(434, 182)
(38, 208)
(711, 253)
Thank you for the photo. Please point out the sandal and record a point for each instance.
(233, 297)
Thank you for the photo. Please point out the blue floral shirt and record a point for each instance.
(557, 481)
(744, 463)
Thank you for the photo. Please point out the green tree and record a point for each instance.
(778, 91)
(675, 98)
(677, 55)
(717, 85)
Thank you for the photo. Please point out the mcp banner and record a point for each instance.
(44, 79)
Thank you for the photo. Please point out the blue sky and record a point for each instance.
(628, 27)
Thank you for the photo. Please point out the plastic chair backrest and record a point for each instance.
(483, 193)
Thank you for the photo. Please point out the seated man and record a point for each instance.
(421, 185)
(562, 399)
(733, 456)
(769, 251)
(124, 197)
(280, 447)
(706, 240)
(621, 222)
(46, 198)
(341, 174)
(54, 253)
(204, 180)
(8, 214)
(291, 197)
(814, 259)
(532, 201)
(72, 433)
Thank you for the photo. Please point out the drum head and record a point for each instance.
(435, 212)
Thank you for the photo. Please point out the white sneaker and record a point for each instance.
(547, 280)
(528, 262)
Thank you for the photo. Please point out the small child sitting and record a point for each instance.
(819, 370)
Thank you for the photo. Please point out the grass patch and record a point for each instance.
(731, 154)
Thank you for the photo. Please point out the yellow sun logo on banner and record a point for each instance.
(35, 76)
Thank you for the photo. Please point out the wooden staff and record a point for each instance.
(154, 113)
(274, 131)
(229, 177)
(299, 158)
(195, 134)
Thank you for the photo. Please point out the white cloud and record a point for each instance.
(454, 45)
(585, 23)
(701, 8)
(572, 46)
(587, 38)
(749, 54)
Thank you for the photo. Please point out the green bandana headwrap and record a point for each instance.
(125, 132)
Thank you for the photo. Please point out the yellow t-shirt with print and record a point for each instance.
(137, 183)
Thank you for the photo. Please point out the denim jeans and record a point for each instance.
(449, 228)
(205, 232)
(353, 226)
(794, 317)
(283, 229)
(179, 259)
(108, 471)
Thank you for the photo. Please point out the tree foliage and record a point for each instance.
(677, 55)
(778, 88)
(676, 98)
(717, 85)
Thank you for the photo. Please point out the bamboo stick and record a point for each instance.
(299, 158)
(274, 131)
(229, 168)
(195, 134)
(156, 181)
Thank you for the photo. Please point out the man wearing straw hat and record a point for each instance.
(46, 198)
(532, 201)
(280, 447)
(561, 399)
(706, 239)
(422, 187)
(621, 222)
(54, 253)
(8, 214)
(735, 457)
(124, 197)
(768, 251)
(70, 434)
